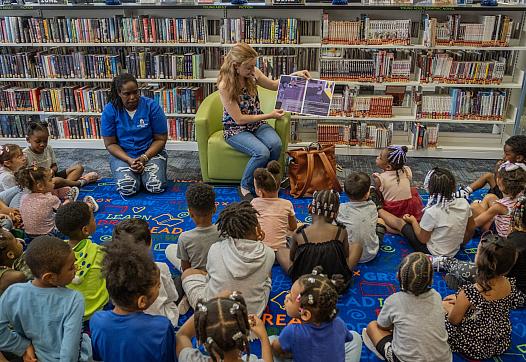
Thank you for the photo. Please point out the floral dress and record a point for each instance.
(248, 105)
(485, 330)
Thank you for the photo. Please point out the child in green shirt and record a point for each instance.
(76, 221)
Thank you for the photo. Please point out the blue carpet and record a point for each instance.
(168, 217)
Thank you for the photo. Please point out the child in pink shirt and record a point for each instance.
(394, 183)
(276, 216)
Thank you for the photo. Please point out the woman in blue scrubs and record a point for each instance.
(135, 132)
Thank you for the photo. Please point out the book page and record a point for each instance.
(318, 97)
(291, 91)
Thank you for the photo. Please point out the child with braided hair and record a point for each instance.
(222, 326)
(410, 326)
(126, 333)
(447, 221)
(322, 335)
(495, 213)
(239, 262)
(276, 216)
(394, 183)
(323, 243)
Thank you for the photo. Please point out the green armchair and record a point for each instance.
(219, 161)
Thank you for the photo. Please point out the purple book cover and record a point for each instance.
(299, 95)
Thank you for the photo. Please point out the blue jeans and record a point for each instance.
(153, 178)
(262, 146)
(11, 197)
(353, 349)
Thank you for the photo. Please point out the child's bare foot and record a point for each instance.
(89, 178)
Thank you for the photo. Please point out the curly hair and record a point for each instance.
(517, 144)
(267, 179)
(325, 203)
(5, 239)
(29, 177)
(415, 273)
(221, 325)
(320, 294)
(495, 257)
(116, 86)
(129, 272)
(135, 231)
(36, 126)
(513, 181)
(46, 254)
(72, 217)
(201, 199)
(8, 152)
(356, 185)
(237, 220)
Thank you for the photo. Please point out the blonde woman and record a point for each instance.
(244, 123)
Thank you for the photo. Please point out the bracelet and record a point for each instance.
(144, 157)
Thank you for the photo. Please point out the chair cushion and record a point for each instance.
(224, 162)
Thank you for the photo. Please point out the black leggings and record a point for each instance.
(410, 235)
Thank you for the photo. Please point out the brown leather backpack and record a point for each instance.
(312, 168)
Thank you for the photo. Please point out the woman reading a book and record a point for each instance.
(134, 130)
(244, 123)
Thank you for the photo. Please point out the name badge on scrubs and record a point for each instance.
(142, 123)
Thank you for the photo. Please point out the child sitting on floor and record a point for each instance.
(76, 221)
(126, 333)
(321, 336)
(192, 246)
(514, 151)
(410, 326)
(394, 183)
(323, 243)
(43, 319)
(239, 262)
(447, 222)
(222, 326)
(39, 206)
(276, 216)
(478, 316)
(495, 213)
(137, 231)
(360, 217)
(39, 153)
(13, 266)
(11, 160)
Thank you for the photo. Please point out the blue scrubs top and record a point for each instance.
(135, 135)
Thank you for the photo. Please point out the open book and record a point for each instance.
(305, 96)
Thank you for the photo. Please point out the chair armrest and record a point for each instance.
(282, 127)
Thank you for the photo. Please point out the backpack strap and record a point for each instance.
(330, 172)
(310, 172)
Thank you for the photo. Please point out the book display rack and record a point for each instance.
(445, 80)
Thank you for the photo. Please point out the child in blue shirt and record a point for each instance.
(126, 333)
(42, 319)
(321, 336)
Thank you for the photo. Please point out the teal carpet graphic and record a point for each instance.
(168, 216)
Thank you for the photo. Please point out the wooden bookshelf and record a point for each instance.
(477, 144)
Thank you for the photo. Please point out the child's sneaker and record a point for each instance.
(89, 178)
(370, 345)
(73, 194)
(91, 203)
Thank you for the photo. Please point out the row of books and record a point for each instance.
(46, 65)
(148, 64)
(260, 30)
(422, 136)
(93, 99)
(447, 68)
(495, 30)
(366, 31)
(86, 127)
(381, 67)
(361, 106)
(355, 134)
(466, 104)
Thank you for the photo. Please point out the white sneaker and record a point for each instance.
(171, 255)
(73, 193)
(91, 203)
(370, 345)
(183, 305)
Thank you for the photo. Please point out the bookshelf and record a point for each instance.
(153, 38)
